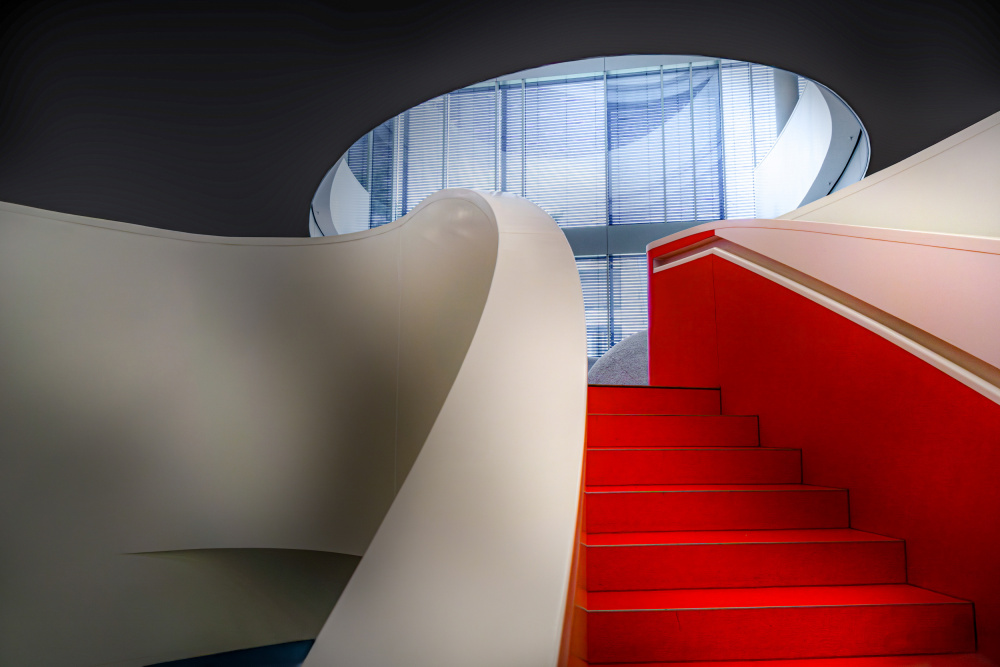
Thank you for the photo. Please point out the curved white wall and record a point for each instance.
(471, 565)
(811, 153)
(950, 187)
(786, 174)
(171, 393)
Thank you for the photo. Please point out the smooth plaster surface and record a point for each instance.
(950, 187)
(471, 565)
(208, 398)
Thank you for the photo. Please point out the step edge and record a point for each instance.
(698, 449)
(650, 386)
(808, 489)
(773, 606)
(736, 544)
(665, 414)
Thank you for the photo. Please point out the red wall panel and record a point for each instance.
(682, 345)
(919, 451)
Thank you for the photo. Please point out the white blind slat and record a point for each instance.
(594, 281)
(564, 142)
(628, 295)
(423, 152)
(635, 148)
(472, 136)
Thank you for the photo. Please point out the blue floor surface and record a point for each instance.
(291, 654)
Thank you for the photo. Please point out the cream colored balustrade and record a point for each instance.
(200, 436)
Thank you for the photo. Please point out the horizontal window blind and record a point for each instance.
(635, 148)
(670, 143)
(357, 159)
(707, 137)
(737, 124)
(472, 137)
(381, 183)
(423, 152)
(764, 117)
(512, 138)
(629, 309)
(749, 131)
(594, 281)
(564, 144)
(674, 143)
(678, 145)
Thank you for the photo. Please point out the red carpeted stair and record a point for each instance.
(700, 545)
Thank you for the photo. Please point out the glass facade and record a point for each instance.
(664, 144)
(668, 143)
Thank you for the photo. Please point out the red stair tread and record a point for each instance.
(617, 399)
(721, 488)
(937, 660)
(666, 430)
(665, 507)
(695, 448)
(790, 536)
(756, 598)
(782, 575)
(686, 465)
(738, 560)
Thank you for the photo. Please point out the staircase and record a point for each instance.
(700, 545)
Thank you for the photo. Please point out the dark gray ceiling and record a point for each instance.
(221, 118)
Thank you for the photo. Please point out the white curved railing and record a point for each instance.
(170, 393)
(808, 160)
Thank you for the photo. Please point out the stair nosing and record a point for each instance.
(663, 414)
(691, 448)
(735, 544)
(775, 606)
(596, 488)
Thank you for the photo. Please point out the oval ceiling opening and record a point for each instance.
(641, 146)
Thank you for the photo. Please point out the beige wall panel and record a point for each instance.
(434, 301)
(471, 565)
(950, 187)
(163, 391)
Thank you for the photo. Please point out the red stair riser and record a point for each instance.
(671, 431)
(750, 465)
(653, 400)
(674, 566)
(777, 632)
(715, 510)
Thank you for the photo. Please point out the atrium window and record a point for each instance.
(658, 143)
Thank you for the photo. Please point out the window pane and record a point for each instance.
(382, 173)
(748, 123)
(357, 160)
(707, 142)
(512, 138)
(423, 152)
(678, 145)
(564, 142)
(737, 124)
(472, 135)
(594, 280)
(635, 145)
(628, 293)
(765, 129)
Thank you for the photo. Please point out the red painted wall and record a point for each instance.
(682, 327)
(919, 451)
